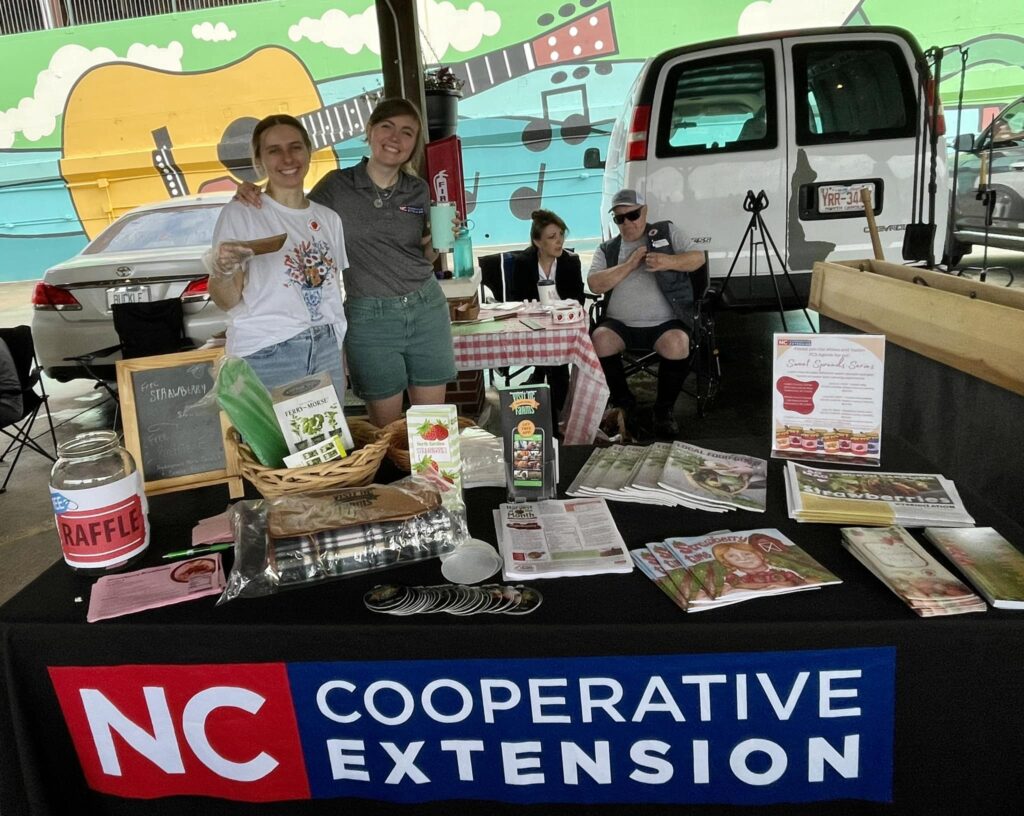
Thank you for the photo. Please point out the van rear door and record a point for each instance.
(853, 123)
(717, 130)
(809, 117)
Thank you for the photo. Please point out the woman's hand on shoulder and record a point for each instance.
(249, 194)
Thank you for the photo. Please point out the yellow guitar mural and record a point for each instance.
(133, 135)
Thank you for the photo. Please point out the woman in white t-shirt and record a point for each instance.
(285, 307)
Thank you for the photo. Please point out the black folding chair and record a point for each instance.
(496, 276)
(33, 400)
(143, 330)
(495, 285)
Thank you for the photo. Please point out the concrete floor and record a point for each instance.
(28, 542)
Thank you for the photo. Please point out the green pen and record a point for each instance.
(199, 550)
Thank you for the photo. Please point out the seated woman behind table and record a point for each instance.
(547, 260)
(285, 307)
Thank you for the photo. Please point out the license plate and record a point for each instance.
(127, 294)
(843, 198)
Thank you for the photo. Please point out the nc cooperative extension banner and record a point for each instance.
(753, 728)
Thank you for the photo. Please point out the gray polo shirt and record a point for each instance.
(637, 299)
(383, 244)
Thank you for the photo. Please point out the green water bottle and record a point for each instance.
(463, 254)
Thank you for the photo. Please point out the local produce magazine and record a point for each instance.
(674, 474)
(704, 477)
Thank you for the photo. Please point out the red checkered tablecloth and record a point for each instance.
(510, 343)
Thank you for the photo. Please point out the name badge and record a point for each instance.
(659, 243)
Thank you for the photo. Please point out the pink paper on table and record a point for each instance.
(116, 595)
(212, 530)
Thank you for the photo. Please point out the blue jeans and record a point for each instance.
(313, 351)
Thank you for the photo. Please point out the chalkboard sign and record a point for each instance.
(174, 448)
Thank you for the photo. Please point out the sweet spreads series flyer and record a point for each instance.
(827, 397)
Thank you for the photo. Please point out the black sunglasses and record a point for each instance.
(630, 216)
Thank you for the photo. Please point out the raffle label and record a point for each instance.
(101, 527)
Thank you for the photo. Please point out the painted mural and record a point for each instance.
(95, 120)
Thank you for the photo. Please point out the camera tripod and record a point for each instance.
(755, 204)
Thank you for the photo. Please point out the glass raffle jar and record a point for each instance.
(98, 504)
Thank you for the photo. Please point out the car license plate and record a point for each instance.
(843, 198)
(127, 294)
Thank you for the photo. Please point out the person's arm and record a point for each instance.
(429, 252)
(684, 258)
(230, 263)
(680, 262)
(602, 279)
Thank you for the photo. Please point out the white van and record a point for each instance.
(809, 117)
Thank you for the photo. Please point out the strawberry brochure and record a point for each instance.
(434, 451)
(987, 560)
(905, 567)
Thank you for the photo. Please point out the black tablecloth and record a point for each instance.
(959, 722)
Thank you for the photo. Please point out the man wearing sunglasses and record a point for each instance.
(645, 270)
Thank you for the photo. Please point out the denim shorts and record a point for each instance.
(395, 342)
(313, 351)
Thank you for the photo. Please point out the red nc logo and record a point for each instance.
(143, 732)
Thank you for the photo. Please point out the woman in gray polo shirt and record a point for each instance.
(399, 333)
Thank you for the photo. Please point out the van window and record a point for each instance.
(850, 92)
(723, 104)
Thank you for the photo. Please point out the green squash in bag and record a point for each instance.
(247, 403)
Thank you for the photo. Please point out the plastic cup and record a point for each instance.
(471, 562)
(546, 292)
(441, 216)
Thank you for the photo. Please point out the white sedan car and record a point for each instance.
(153, 252)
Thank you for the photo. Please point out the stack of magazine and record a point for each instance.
(722, 568)
(674, 474)
(987, 560)
(858, 497)
(905, 567)
(554, 539)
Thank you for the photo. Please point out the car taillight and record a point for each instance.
(199, 289)
(636, 139)
(52, 298)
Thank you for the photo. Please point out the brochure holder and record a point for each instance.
(526, 432)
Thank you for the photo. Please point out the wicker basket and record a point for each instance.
(398, 440)
(355, 470)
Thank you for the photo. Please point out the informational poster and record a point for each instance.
(827, 397)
